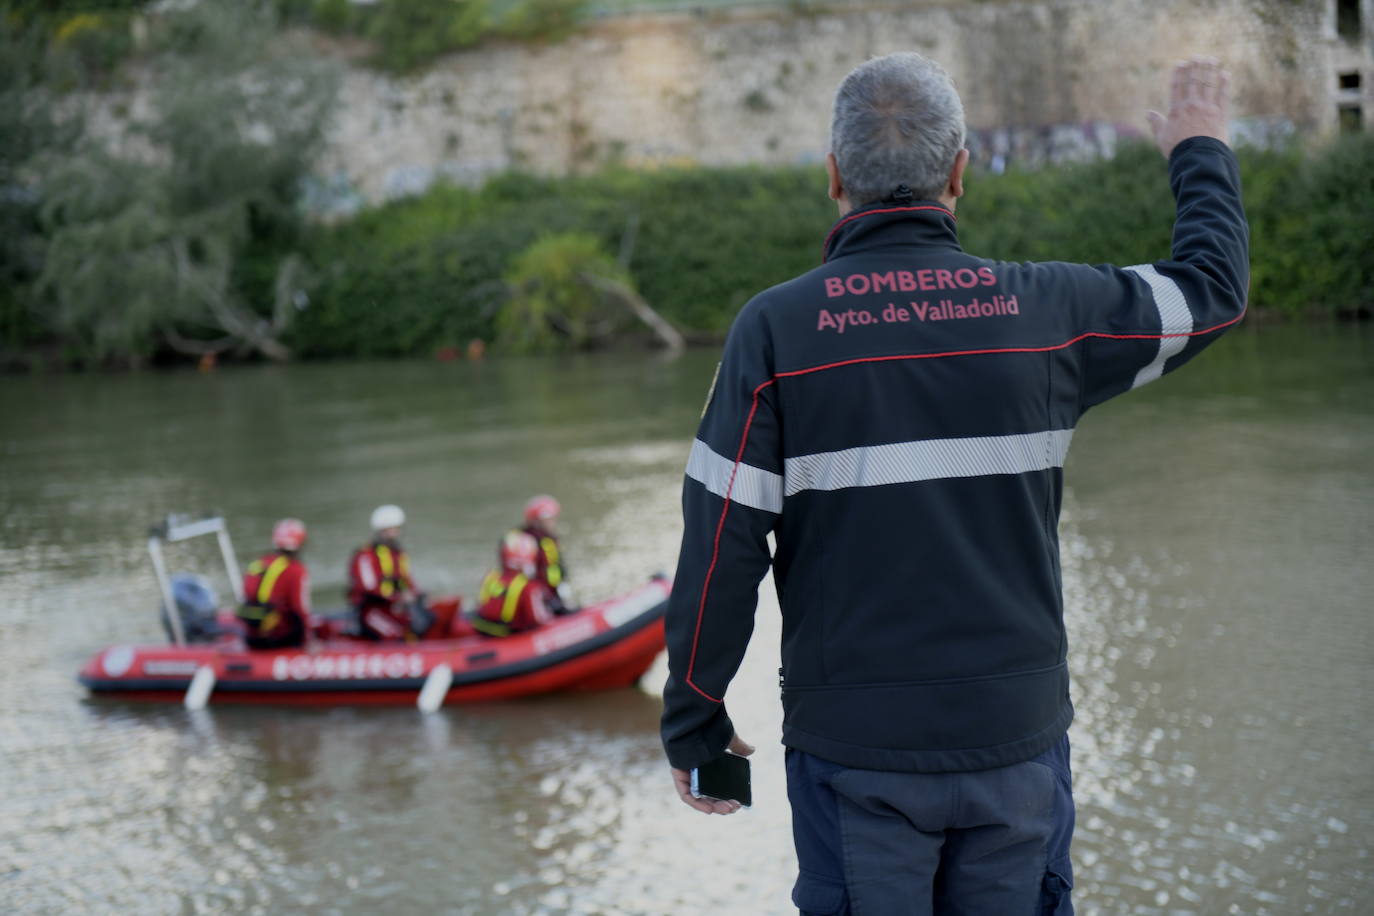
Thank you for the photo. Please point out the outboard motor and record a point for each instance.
(197, 605)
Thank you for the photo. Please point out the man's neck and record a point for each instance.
(948, 201)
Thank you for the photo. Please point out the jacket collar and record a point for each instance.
(922, 222)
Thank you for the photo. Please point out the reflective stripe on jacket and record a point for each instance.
(551, 569)
(274, 588)
(377, 573)
(509, 603)
(395, 569)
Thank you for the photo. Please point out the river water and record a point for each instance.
(1217, 535)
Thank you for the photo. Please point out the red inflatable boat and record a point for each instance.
(604, 645)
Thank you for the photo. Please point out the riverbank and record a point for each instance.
(408, 278)
(427, 275)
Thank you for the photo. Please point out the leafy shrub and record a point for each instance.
(96, 42)
(433, 271)
(408, 34)
(542, 20)
(402, 278)
(35, 128)
(1317, 251)
(430, 269)
(144, 253)
(551, 303)
(1311, 218)
(412, 32)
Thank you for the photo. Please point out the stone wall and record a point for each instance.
(1040, 80)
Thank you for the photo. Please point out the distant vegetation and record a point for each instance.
(404, 278)
(183, 237)
(403, 35)
(190, 236)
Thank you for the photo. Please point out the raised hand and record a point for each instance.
(1199, 104)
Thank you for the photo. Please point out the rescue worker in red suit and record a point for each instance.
(541, 523)
(513, 598)
(276, 589)
(380, 588)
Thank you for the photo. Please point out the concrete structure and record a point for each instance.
(1045, 80)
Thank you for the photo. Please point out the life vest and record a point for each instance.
(550, 560)
(395, 569)
(257, 610)
(553, 569)
(498, 603)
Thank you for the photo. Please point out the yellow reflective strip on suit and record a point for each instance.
(491, 587)
(513, 591)
(551, 560)
(388, 567)
(269, 578)
(489, 627)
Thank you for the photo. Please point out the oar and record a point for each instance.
(198, 694)
(435, 689)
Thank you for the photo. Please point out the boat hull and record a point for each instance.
(603, 646)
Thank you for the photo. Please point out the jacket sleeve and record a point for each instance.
(731, 499)
(1143, 321)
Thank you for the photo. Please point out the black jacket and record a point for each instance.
(898, 418)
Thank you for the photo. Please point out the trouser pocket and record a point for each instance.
(815, 896)
(1055, 897)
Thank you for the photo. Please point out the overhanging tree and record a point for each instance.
(148, 236)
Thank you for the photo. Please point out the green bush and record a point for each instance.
(1311, 220)
(550, 301)
(427, 271)
(189, 249)
(35, 129)
(542, 20)
(1317, 248)
(409, 33)
(96, 43)
(435, 270)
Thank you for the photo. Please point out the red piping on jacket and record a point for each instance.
(853, 216)
(753, 408)
(715, 547)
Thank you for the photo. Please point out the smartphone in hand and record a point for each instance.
(725, 779)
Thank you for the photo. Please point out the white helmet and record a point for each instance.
(387, 517)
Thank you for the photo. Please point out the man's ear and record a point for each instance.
(832, 169)
(955, 189)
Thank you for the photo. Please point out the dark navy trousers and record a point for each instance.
(985, 843)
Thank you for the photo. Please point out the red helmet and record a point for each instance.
(288, 534)
(541, 509)
(519, 551)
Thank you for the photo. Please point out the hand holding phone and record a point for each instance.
(682, 781)
(724, 779)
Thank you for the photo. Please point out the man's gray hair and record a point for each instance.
(897, 121)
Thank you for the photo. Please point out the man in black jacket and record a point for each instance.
(898, 418)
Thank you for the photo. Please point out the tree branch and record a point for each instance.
(622, 293)
(190, 347)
